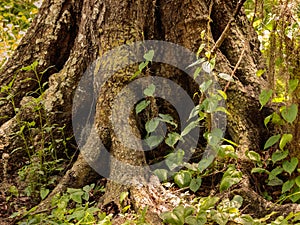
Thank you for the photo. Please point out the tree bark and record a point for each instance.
(69, 35)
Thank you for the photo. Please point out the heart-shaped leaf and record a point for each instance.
(287, 186)
(162, 174)
(154, 140)
(172, 139)
(254, 156)
(151, 125)
(43, 193)
(195, 184)
(279, 155)
(289, 113)
(290, 166)
(264, 97)
(149, 91)
(183, 179)
(293, 85)
(149, 55)
(175, 159)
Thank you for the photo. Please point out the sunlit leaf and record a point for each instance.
(284, 140)
(183, 179)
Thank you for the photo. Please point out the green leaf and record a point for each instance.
(276, 119)
(212, 105)
(162, 174)
(123, 196)
(226, 77)
(272, 140)
(78, 215)
(135, 75)
(279, 155)
(197, 72)
(284, 140)
(171, 218)
(43, 193)
(142, 65)
(264, 97)
(205, 85)
(290, 166)
(275, 182)
(200, 49)
(88, 188)
(175, 159)
(189, 127)
(287, 186)
(73, 190)
(289, 114)
(183, 179)
(205, 163)
(296, 196)
(199, 61)
(214, 137)
(212, 63)
(260, 72)
(154, 140)
(195, 184)
(149, 91)
(276, 171)
(259, 170)
(231, 176)
(223, 94)
(141, 106)
(172, 139)
(293, 84)
(267, 120)
(297, 180)
(254, 156)
(192, 220)
(237, 201)
(152, 124)
(149, 55)
(76, 197)
(167, 119)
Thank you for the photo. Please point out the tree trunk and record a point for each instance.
(68, 35)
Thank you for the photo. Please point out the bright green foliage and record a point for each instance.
(289, 113)
(231, 176)
(15, 18)
(272, 140)
(84, 212)
(264, 97)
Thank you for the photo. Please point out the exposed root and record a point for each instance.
(150, 195)
(255, 204)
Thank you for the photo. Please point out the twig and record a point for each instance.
(236, 66)
(225, 31)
